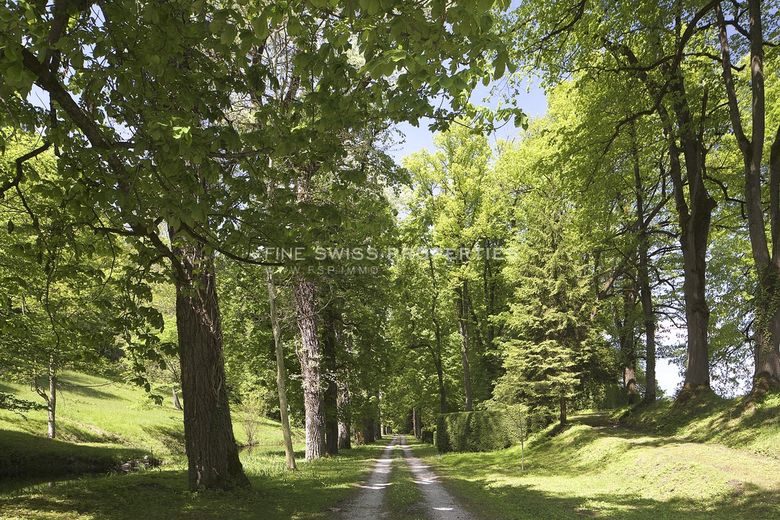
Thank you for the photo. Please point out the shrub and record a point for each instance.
(482, 430)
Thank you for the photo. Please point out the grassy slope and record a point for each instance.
(100, 418)
(100, 424)
(682, 469)
(95, 411)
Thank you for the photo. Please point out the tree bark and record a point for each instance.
(562, 417)
(694, 212)
(309, 356)
(414, 422)
(330, 397)
(436, 350)
(695, 228)
(378, 416)
(175, 399)
(345, 417)
(281, 373)
(440, 381)
(766, 263)
(643, 275)
(464, 347)
(628, 344)
(368, 429)
(212, 453)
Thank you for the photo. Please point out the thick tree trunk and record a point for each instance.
(211, 448)
(767, 335)
(309, 356)
(766, 262)
(694, 220)
(697, 311)
(464, 346)
(52, 402)
(330, 397)
(694, 211)
(694, 237)
(281, 374)
(345, 417)
(368, 430)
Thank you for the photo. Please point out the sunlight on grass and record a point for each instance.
(598, 469)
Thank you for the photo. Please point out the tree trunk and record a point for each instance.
(281, 374)
(212, 453)
(766, 263)
(368, 430)
(309, 356)
(440, 382)
(436, 351)
(345, 433)
(628, 343)
(52, 401)
(464, 347)
(377, 430)
(175, 398)
(562, 417)
(767, 326)
(414, 422)
(694, 218)
(694, 236)
(694, 221)
(330, 397)
(378, 416)
(697, 311)
(643, 273)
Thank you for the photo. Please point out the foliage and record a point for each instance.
(481, 430)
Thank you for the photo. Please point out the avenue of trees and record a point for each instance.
(191, 194)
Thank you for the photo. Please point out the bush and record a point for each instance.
(427, 435)
(482, 430)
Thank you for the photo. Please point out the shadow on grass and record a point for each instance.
(23, 455)
(74, 383)
(504, 502)
(74, 432)
(705, 417)
(313, 492)
(171, 437)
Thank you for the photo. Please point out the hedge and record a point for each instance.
(487, 430)
(475, 431)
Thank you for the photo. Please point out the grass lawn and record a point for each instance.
(95, 411)
(598, 469)
(101, 422)
(707, 459)
(312, 492)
